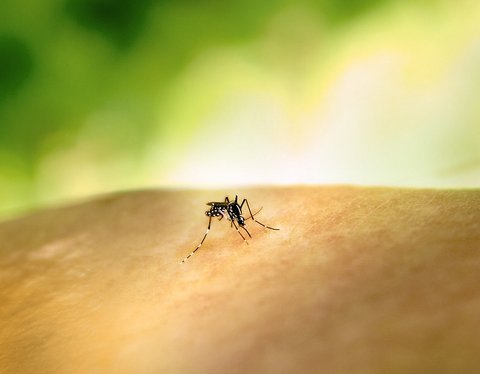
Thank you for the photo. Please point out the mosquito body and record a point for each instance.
(233, 211)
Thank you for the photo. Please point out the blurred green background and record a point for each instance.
(105, 95)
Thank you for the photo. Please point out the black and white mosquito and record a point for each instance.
(233, 211)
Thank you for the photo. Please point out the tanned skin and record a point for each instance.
(363, 280)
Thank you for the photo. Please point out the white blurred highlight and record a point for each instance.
(388, 114)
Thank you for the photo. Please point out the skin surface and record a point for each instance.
(364, 280)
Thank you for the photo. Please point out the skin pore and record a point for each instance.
(357, 280)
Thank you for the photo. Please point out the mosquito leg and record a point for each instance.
(232, 220)
(239, 233)
(254, 214)
(198, 246)
(243, 227)
(253, 218)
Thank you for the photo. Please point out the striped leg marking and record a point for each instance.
(253, 218)
(198, 246)
(239, 233)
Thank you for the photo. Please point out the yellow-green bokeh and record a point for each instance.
(101, 95)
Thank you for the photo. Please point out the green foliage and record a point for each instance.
(91, 79)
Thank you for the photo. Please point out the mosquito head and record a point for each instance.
(241, 220)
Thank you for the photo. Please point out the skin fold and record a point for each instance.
(364, 280)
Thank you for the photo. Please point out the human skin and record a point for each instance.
(364, 280)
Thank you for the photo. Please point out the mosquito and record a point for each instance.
(233, 211)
